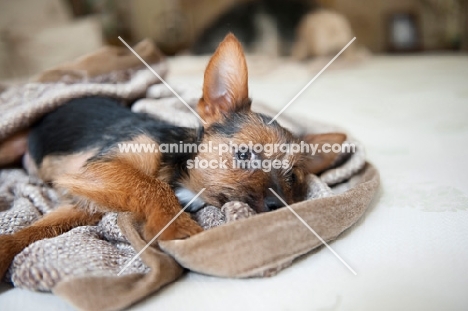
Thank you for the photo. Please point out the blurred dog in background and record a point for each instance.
(296, 28)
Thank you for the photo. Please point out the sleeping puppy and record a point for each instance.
(82, 148)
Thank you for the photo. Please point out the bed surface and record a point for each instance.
(410, 250)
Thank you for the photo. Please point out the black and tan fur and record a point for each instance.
(75, 149)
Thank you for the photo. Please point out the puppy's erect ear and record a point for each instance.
(225, 88)
(322, 160)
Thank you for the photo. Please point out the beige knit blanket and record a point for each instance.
(82, 264)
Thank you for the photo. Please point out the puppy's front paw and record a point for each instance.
(181, 228)
(237, 210)
(186, 227)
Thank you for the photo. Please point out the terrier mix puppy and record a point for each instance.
(76, 148)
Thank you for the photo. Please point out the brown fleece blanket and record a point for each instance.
(82, 265)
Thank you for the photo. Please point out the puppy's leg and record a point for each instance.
(13, 148)
(122, 185)
(51, 225)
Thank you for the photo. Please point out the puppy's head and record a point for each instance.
(240, 161)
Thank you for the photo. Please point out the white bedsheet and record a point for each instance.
(410, 251)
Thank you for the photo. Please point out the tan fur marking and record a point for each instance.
(147, 162)
(226, 81)
(54, 166)
(51, 225)
(120, 185)
(321, 161)
(13, 148)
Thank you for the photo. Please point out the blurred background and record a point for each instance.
(38, 34)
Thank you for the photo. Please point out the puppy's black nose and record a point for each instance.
(272, 203)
